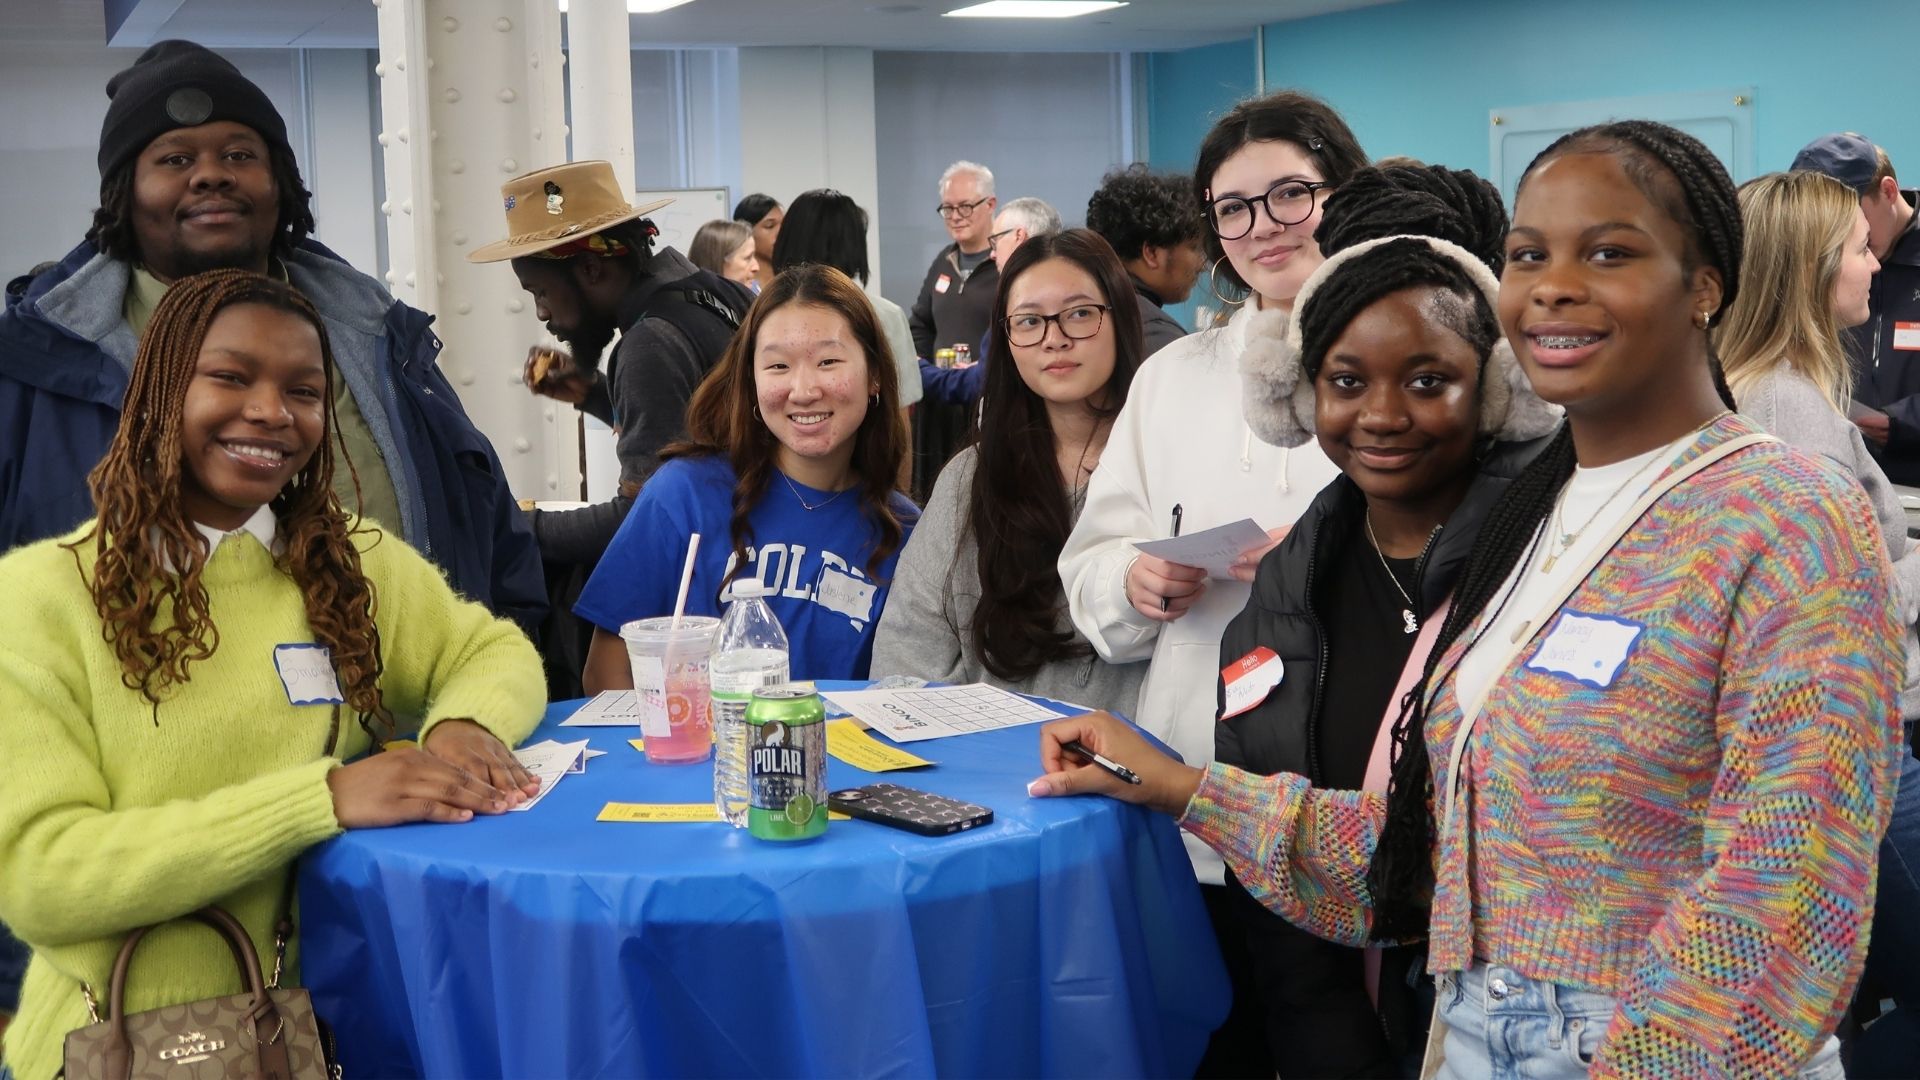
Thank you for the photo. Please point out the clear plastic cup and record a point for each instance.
(670, 674)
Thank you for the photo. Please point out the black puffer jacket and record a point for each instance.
(1314, 1003)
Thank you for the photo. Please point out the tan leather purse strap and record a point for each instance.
(266, 1018)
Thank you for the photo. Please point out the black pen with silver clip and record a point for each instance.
(1106, 763)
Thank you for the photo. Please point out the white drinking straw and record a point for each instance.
(686, 579)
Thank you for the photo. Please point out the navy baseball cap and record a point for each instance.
(1849, 158)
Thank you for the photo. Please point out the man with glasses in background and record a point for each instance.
(1021, 220)
(954, 307)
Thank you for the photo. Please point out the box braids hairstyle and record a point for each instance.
(1680, 175)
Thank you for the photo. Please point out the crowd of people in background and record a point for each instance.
(1562, 723)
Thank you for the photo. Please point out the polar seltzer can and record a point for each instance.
(787, 762)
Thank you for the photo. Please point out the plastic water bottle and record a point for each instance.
(749, 652)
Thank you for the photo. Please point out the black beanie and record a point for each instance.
(178, 84)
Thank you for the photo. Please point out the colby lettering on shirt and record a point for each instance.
(834, 584)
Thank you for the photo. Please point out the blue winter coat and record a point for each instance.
(66, 355)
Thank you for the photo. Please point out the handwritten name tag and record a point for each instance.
(1589, 649)
(1249, 680)
(306, 670)
(846, 594)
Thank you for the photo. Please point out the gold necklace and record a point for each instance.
(1562, 541)
(1412, 625)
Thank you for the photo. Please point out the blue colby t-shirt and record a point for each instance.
(815, 560)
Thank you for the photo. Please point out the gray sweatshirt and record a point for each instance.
(925, 630)
(1792, 408)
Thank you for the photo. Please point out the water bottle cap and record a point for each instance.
(752, 587)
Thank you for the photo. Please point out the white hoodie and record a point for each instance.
(1181, 439)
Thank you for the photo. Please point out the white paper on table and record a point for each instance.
(547, 762)
(1212, 550)
(609, 708)
(935, 712)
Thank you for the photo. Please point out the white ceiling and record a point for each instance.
(1144, 25)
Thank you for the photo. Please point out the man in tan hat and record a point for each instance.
(587, 258)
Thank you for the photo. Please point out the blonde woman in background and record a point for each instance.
(726, 248)
(1806, 275)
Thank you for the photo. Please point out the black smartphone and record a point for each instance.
(906, 808)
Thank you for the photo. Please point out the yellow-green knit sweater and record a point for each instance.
(109, 822)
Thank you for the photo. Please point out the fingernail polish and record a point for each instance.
(1039, 788)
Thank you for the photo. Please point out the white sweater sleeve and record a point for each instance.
(1093, 564)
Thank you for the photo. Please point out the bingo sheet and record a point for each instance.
(936, 712)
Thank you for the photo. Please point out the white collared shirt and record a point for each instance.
(262, 526)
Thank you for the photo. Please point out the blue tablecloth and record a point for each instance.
(1066, 939)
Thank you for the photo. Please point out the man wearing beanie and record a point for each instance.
(195, 175)
(1885, 350)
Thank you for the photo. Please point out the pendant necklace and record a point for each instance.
(1563, 540)
(1412, 625)
(804, 504)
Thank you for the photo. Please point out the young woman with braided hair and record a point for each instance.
(1636, 794)
(174, 680)
(1397, 369)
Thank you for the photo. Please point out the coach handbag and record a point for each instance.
(263, 1033)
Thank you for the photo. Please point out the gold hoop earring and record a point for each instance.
(1213, 285)
(1706, 320)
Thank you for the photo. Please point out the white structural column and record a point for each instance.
(470, 96)
(600, 85)
(806, 121)
(600, 78)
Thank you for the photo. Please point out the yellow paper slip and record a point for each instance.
(638, 744)
(669, 812)
(649, 812)
(846, 741)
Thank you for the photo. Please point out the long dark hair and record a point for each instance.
(146, 556)
(723, 417)
(112, 231)
(1285, 116)
(1680, 175)
(1019, 511)
(823, 226)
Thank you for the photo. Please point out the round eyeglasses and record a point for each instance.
(1079, 323)
(1288, 202)
(959, 211)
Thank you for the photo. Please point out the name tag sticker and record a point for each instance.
(940, 283)
(1249, 680)
(1588, 649)
(846, 594)
(1906, 336)
(306, 670)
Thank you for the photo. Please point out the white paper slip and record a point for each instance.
(609, 708)
(936, 712)
(1212, 550)
(547, 762)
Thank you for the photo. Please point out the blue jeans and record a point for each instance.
(1502, 1025)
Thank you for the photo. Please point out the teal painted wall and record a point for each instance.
(1187, 91)
(1420, 77)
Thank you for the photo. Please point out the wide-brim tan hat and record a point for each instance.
(549, 207)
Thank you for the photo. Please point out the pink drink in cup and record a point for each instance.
(670, 675)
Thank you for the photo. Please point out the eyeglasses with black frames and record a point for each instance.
(960, 211)
(1288, 202)
(1079, 323)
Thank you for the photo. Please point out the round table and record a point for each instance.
(1067, 938)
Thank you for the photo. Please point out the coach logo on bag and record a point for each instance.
(194, 1046)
